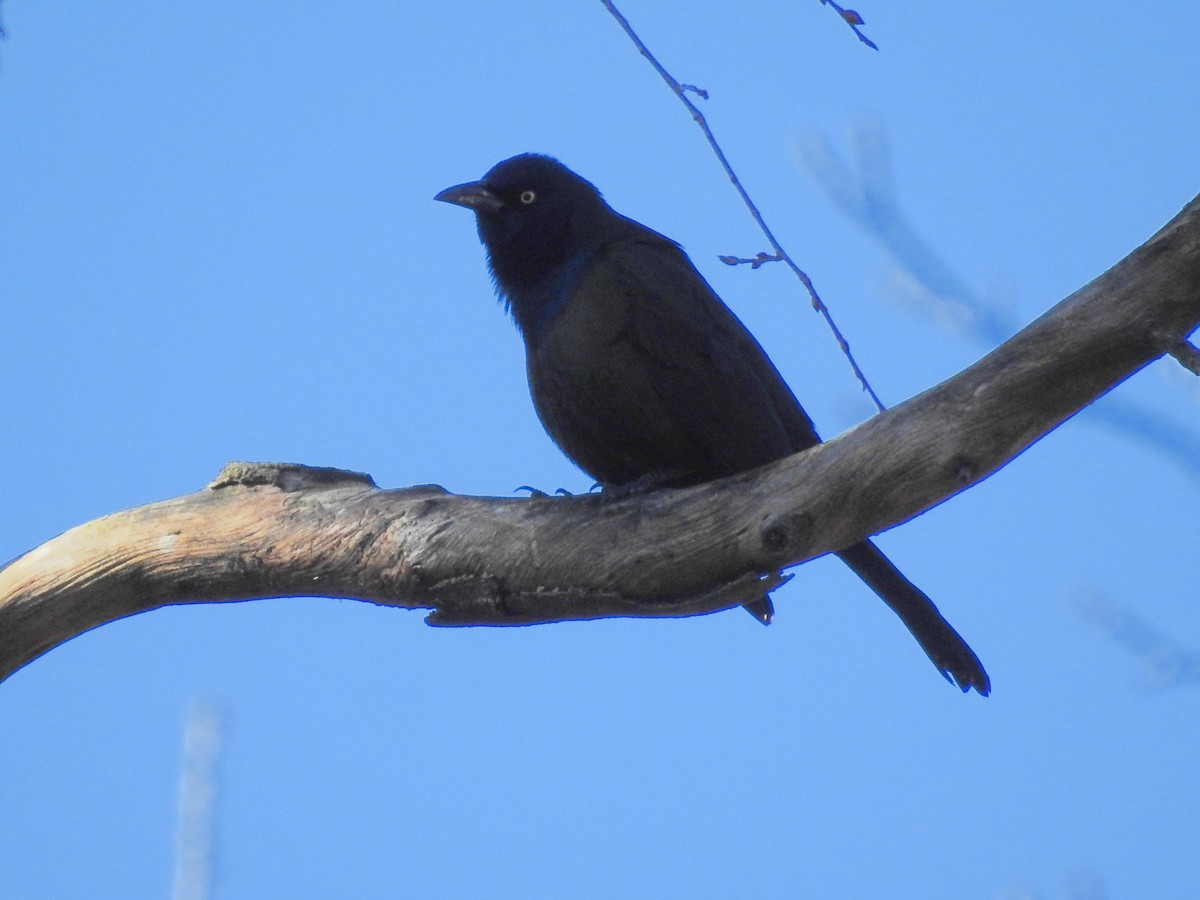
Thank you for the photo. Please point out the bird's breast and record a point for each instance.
(595, 388)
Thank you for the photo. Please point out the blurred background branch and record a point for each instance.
(197, 803)
(1167, 662)
(864, 191)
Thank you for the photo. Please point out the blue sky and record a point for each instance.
(218, 242)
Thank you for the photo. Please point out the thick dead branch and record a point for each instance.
(270, 530)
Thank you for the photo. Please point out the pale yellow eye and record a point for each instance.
(528, 197)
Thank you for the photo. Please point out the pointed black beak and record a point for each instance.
(473, 195)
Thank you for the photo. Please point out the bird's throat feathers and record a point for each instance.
(537, 292)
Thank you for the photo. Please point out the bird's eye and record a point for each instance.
(527, 197)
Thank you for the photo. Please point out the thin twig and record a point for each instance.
(681, 92)
(758, 259)
(853, 19)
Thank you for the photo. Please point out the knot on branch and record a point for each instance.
(786, 535)
(964, 469)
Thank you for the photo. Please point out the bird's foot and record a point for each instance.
(540, 494)
(533, 492)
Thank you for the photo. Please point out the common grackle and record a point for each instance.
(641, 374)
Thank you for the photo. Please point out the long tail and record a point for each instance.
(941, 643)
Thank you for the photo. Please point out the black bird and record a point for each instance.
(641, 374)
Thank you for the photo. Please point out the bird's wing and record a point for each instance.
(709, 372)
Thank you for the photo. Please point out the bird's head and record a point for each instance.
(534, 215)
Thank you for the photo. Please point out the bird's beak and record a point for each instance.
(473, 195)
